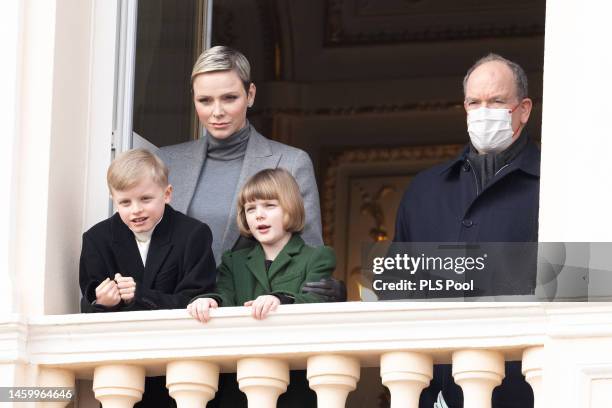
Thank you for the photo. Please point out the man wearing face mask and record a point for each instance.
(489, 193)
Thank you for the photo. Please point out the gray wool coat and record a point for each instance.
(186, 161)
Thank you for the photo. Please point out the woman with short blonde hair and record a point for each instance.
(207, 173)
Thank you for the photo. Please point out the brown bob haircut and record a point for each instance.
(134, 166)
(273, 184)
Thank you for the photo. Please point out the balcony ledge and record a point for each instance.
(294, 332)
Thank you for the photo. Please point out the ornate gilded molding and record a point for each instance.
(423, 106)
(384, 156)
(339, 33)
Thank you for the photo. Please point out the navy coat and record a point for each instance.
(445, 204)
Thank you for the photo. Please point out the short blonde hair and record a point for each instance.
(222, 58)
(273, 184)
(131, 167)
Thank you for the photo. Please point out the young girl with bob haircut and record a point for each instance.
(271, 210)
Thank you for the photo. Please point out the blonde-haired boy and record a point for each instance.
(147, 255)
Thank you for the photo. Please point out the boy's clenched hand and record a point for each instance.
(107, 293)
(126, 286)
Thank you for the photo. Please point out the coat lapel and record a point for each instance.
(255, 264)
(186, 172)
(284, 257)
(258, 156)
(159, 248)
(126, 250)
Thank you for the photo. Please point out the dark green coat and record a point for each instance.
(242, 274)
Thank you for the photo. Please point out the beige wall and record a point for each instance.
(50, 161)
(67, 155)
(575, 189)
(10, 26)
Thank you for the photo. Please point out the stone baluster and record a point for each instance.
(118, 385)
(332, 377)
(478, 372)
(192, 383)
(56, 378)
(533, 368)
(405, 374)
(262, 380)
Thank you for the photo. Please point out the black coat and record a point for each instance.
(444, 204)
(179, 266)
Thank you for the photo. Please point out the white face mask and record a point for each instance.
(490, 129)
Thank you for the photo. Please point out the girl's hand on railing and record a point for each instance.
(263, 305)
(199, 309)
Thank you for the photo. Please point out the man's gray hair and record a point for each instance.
(520, 78)
(222, 58)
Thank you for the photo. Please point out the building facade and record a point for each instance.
(64, 80)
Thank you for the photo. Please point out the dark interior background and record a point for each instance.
(336, 74)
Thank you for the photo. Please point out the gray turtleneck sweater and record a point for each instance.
(215, 189)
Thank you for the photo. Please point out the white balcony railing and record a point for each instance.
(331, 341)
